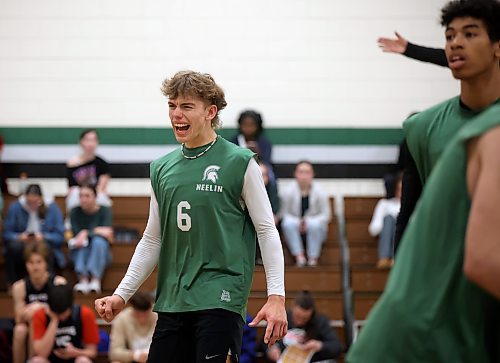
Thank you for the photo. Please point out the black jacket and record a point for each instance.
(318, 328)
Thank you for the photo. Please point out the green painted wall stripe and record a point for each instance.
(161, 136)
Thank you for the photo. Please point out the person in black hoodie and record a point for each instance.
(310, 330)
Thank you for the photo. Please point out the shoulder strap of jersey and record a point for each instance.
(27, 285)
(77, 319)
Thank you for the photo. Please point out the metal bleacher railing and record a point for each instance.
(347, 295)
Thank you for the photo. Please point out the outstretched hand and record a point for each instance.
(397, 45)
(108, 307)
(274, 313)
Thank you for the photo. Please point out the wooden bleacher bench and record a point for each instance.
(318, 279)
(132, 212)
(367, 282)
(358, 212)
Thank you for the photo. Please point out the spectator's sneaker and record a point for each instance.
(95, 286)
(300, 261)
(384, 263)
(82, 286)
(313, 262)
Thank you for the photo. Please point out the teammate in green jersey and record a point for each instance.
(473, 61)
(208, 202)
(441, 302)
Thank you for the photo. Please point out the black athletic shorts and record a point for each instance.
(199, 336)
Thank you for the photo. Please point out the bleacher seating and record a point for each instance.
(367, 282)
(324, 281)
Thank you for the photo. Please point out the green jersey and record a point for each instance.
(207, 237)
(428, 132)
(81, 220)
(429, 311)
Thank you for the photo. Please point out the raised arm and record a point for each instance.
(425, 54)
(393, 45)
(400, 45)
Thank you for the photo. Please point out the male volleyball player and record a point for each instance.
(442, 300)
(208, 199)
(472, 60)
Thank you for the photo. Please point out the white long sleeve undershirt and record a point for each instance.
(254, 195)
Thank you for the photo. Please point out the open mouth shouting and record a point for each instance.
(181, 129)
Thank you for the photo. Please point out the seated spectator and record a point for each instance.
(29, 219)
(87, 169)
(249, 342)
(305, 210)
(132, 330)
(383, 223)
(309, 330)
(64, 332)
(30, 294)
(92, 231)
(251, 136)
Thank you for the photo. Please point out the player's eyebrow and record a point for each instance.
(467, 26)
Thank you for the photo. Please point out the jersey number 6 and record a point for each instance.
(183, 219)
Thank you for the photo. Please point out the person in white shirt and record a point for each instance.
(383, 223)
(306, 211)
(132, 330)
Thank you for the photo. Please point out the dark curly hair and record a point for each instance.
(255, 116)
(486, 10)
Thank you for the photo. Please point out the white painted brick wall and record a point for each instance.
(300, 62)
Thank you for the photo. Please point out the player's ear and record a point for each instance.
(497, 50)
(212, 112)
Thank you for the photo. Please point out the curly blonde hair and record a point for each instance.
(196, 84)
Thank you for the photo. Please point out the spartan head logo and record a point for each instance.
(211, 173)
